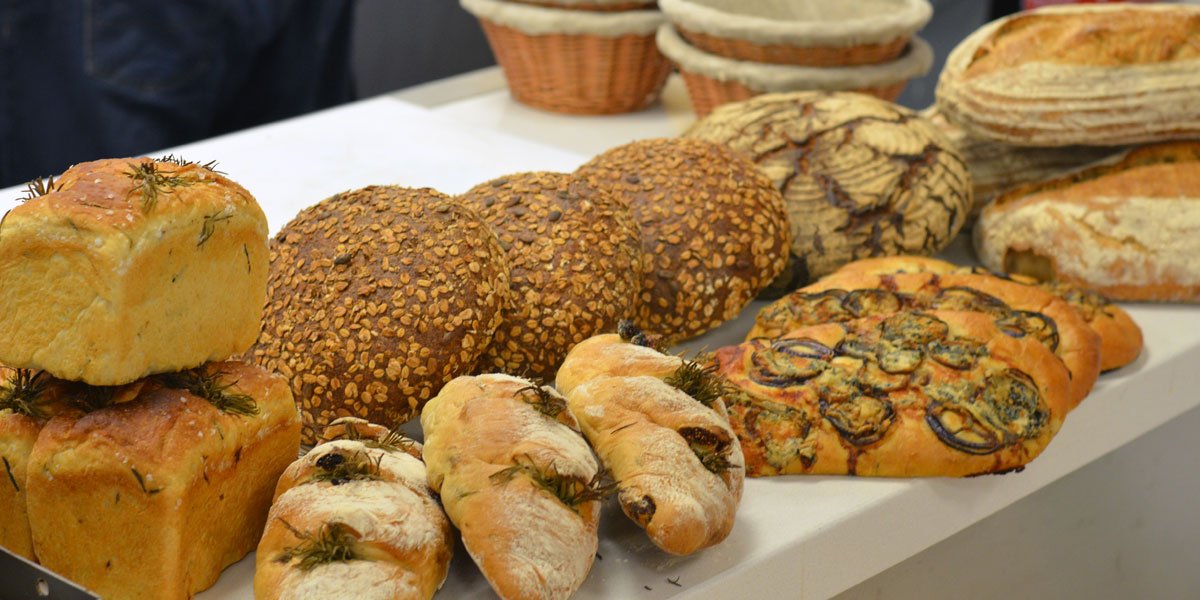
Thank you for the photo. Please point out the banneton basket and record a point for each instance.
(815, 33)
(713, 80)
(572, 61)
(594, 5)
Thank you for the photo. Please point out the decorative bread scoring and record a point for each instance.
(575, 265)
(378, 297)
(713, 229)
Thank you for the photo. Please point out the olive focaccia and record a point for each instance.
(1017, 310)
(912, 394)
(1120, 336)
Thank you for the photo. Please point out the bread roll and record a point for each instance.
(128, 267)
(941, 394)
(27, 399)
(152, 497)
(518, 480)
(1090, 75)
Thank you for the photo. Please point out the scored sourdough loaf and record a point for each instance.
(1127, 227)
(713, 229)
(1090, 75)
(152, 496)
(378, 297)
(659, 425)
(354, 518)
(860, 177)
(911, 394)
(518, 480)
(575, 267)
(122, 268)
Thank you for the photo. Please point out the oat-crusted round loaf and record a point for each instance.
(378, 297)
(860, 176)
(713, 229)
(575, 267)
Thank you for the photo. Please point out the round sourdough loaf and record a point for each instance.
(860, 176)
(378, 297)
(713, 229)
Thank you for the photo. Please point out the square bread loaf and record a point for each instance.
(127, 267)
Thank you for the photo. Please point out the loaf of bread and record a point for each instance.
(1090, 75)
(1127, 227)
(27, 400)
(518, 480)
(664, 436)
(153, 495)
(126, 267)
(354, 518)
(940, 393)
(379, 296)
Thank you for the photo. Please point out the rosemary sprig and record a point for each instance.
(142, 483)
(571, 490)
(210, 224)
(392, 441)
(183, 162)
(701, 383)
(337, 468)
(151, 182)
(39, 186)
(22, 392)
(333, 542)
(201, 383)
(542, 399)
(11, 478)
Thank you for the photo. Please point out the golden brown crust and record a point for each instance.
(378, 297)
(911, 394)
(610, 355)
(574, 260)
(713, 229)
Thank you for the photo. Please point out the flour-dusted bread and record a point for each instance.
(122, 268)
(354, 518)
(153, 495)
(912, 394)
(518, 480)
(1127, 227)
(1091, 75)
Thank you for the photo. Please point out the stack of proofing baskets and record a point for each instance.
(729, 50)
(576, 56)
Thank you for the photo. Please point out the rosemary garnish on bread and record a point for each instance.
(150, 182)
(333, 542)
(542, 399)
(338, 468)
(571, 490)
(21, 392)
(183, 162)
(701, 383)
(39, 186)
(201, 383)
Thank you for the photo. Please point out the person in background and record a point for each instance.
(87, 79)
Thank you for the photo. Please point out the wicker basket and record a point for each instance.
(706, 93)
(783, 54)
(593, 5)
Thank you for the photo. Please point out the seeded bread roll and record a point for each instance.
(518, 480)
(123, 268)
(575, 266)
(378, 297)
(860, 176)
(713, 229)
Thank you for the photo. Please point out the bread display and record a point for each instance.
(354, 518)
(122, 268)
(713, 229)
(152, 496)
(378, 297)
(518, 481)
(575, 262)
(940, 393)
(1127, 227)
(860, 177)
(665, 437)
(1090, 75)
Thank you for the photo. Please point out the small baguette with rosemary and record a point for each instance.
(354, 518)
(518, 480)
(659, 424)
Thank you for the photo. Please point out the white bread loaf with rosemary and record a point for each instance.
(665, 437)
(123, 268)
(152, 496)
(354, 518)
(1099, 75)
(518, 480)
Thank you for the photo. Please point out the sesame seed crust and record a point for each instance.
(575, 262)
(713, 228)
(378, 297)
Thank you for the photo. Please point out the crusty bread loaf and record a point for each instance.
(1127, 227)
(911, 394)
(1091, 75)
(128, 267)
(152, 497)
(354, 518)
(518, 480)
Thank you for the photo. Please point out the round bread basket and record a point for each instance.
(593, 5)
(816, 33)
(713, 80)
(575, 61)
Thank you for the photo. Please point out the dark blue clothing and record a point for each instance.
(88, 79)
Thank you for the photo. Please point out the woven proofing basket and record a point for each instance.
(610, 6)
(706, 93)
(782, 54)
